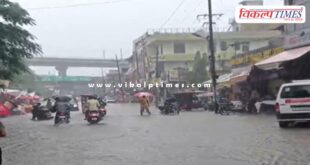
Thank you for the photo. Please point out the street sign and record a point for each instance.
(64, 79)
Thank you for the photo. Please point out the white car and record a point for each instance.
(293, 103)
(237, 105)
(110, 100)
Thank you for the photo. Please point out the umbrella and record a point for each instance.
(140, 94)
(36, 97)
(23, 97)
(63, 98)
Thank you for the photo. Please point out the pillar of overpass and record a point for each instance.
(62, 70)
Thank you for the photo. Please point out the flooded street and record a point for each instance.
(123, 137)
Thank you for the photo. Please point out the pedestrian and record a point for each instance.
(2, 134)
(144, 105)
(35, 111)
(253, 99)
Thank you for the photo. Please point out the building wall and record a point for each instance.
(230, 52)
(258, 44)
(290, 28)
(191, 47)
(167, 48)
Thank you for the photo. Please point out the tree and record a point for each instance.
(199, 73)
(16, 43)
(27, 81)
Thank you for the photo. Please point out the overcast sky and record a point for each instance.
(85, 31)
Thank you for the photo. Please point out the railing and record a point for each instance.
(172, 30)
(184, 30)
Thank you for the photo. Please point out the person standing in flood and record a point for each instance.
(144, 105)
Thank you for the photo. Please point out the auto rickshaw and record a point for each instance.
(188, 100)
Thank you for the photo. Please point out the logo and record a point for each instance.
(270, 14)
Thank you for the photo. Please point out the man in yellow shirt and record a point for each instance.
(144, 105)
(92, 105)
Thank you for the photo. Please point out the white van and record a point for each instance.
(293, 103)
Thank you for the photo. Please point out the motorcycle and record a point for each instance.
(61, 118)
(170, 108)
(95, 117)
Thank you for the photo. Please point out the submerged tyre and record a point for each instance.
(283, 124)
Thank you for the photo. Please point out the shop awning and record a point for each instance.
(130, 71)
(275, 61)
(221, 79)
(241, 77)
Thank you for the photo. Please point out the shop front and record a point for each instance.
(239, 83)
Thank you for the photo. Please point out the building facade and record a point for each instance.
(175, 53)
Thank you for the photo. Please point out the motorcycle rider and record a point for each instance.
(61, 106)
(168, 105)
(102, 102)
(92, 104)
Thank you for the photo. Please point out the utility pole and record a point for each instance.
(119, 77)
(102, 74)
(137, 62)
(211, 47)
(157, 77)
(121, 51)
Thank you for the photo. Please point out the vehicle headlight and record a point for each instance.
(74, 105)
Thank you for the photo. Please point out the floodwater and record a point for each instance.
(124, 137)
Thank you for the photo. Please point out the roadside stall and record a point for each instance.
(4, 111)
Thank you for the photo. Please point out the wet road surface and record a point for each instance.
(125, 138)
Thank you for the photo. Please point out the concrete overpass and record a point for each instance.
(62, 64)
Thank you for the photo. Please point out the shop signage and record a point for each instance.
(255, 56)
(173, 75)
(270, 14)
(297, 39)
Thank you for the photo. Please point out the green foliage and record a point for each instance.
(199, 73)
(27, 81)
(16, 43)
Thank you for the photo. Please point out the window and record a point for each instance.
(223, 45)
(237, 46)
(245, 47)
(301, 91)
(179, 48)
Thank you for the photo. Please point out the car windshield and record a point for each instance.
(44, 103)
(300, 91)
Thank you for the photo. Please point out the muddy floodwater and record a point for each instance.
(125, 138)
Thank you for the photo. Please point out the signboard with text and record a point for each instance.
(255, 56)
(270, 14)
(297, 39)
(64, 79)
